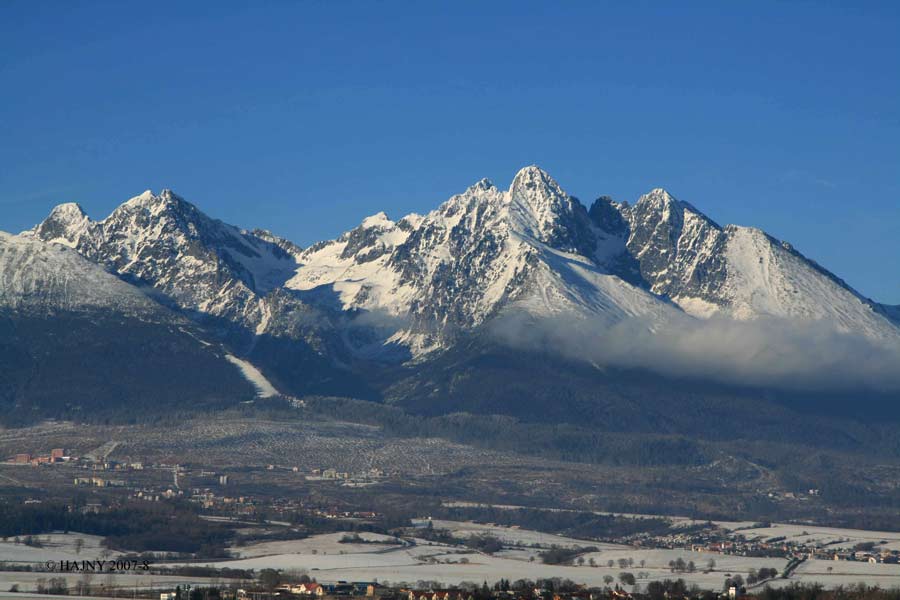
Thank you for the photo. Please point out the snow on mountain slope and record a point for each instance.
(63, 313)
(766, 277)
(200, 264)
(572, 285)
(264, 388)
(461, 264)
(738, 272)
(39, 276)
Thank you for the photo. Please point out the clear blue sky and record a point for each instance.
(304, 117)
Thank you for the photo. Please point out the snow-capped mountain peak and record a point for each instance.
(734, 271)
(42, 277)
(65, 225)
(478, 253)
(379, 219)
(200, 264)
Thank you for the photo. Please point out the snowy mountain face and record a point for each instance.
(417, 285)
(733, 271)
(76, 338)
(481, 252)
(41, 278)
(200, 264)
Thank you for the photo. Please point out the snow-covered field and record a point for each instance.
(845, 573)
(451, 565)
(326, 544)
(54, 546)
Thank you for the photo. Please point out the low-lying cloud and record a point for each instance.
(768, 352)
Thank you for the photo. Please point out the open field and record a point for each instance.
(321, 544)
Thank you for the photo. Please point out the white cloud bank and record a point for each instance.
(809, 356)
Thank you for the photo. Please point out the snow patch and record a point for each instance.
(264, 388)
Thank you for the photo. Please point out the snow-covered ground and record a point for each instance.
(54, 546)
(845, 573)
(451, 565)
(321, 544)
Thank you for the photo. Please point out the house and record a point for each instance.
(309, 589)
(365, 588)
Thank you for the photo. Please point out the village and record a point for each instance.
(207, 488)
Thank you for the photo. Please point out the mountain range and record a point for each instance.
(519, 301)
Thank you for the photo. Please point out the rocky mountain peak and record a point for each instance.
(540, 209)
(199, 264)
(166, 202)
(379, 219)
(606, 214)
(677, 247)
(65, 224)
(482, 184)
(534, 182)
(68, 211)
(660, 206)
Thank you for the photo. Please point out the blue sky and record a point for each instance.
(304, 117)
